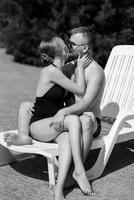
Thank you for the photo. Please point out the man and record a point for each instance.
(87, 107)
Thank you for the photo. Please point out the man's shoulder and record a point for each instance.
(95, 63)
(94, 73)
(95, 68)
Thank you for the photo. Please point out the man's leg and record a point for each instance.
(22, 138)
(86, 139)
(87, 135)
(65, 158)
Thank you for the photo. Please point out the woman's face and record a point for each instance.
(65, 53)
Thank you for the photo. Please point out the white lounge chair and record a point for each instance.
(117, 107)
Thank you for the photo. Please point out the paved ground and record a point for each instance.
(28, 180)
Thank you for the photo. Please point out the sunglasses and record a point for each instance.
(74, 44)
(70, 44)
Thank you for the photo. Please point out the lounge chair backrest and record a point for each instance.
(119, 88)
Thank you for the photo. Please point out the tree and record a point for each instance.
(23, 24)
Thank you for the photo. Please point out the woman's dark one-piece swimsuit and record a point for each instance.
(49, 104)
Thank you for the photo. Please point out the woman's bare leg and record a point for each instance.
(65, 157)
(42, 131)
(24, 118)
(22, 138)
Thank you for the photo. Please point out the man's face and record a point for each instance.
(78, 42)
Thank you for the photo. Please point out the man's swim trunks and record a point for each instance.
(98, 130)
(96, 121)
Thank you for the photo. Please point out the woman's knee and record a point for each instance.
(72, 119)
(23, 107)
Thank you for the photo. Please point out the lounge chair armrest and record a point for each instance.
(122, 116)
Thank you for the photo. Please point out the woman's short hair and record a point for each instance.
(50, 48)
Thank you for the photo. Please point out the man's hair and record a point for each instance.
(85, 31)
(80, 29)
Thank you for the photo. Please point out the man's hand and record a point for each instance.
(58, 121)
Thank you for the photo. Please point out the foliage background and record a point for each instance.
(24, 23)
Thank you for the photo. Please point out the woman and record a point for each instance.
(50, 95)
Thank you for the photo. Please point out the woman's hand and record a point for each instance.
(84, 61)
(58, 121)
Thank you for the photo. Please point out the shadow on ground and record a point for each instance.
(121, 157)
(36, 167)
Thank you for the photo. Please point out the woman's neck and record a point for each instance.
(58, 63)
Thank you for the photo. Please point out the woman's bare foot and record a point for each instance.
(83, 182)
(17, 139)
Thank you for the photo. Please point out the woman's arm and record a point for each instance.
(57, 76)
(69, 99)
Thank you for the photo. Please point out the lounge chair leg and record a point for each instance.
(51, 172)
(105, 152)
(99, 166)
